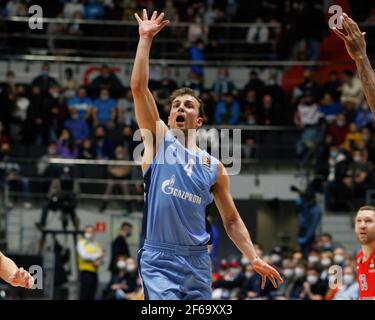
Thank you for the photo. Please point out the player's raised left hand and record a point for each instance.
(21, 278)
(354, 40)
(266, 271)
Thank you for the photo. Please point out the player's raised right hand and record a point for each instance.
(149, 28)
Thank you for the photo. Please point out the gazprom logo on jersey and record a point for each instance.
(167, 188)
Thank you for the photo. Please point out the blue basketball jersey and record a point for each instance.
(177, 191)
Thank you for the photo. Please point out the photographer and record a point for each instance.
(62, 196)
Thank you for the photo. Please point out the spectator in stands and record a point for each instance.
(274, 89)
(105, 109)
(307, 88)
(255, 84)
(338, 130)
(364, 116)
(123, 281)
(325, 243)
(82, 103)
(283, 291)
(102, 145)
(90, 256)
(94, 10)
(196, 53)
(193, 82)
(66, 147)
(349, 289)
(354, 138)
(44, 81)
(352, 95)
(358, 173)
(227, 110)
(307, 113)
(79, 128)
(86, 150)
(4, 139)
(166, 85)
(106, 80)
(268, 112)
(313, 288)
(232, 281)
(8, 105)
(333, 86)
(326, 260)
(72, 7)
(19, 114)
(209, 106)
(68, 84)
(296, 286)
(197, 30)
(329, 108)
(120, 246)
(75, 28)
(223, 84)
(125, 109)
(118, 175)
(11, 177)
(126, 140)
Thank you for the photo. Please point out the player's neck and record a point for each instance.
(368, 250)
(189, 140)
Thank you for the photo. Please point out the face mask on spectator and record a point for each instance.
(131, 267)
(357, 159)
(288, 273)
(299, 272)
(249, 274)
(245, 261)
(348, 279)
(75, 116)
(313, 259)
(326, 262)
(275, 258)
(121, 264)
(333, 154)
(339, 258)
(89, 236)
(312, 279)
(104, 97)
(235, 271)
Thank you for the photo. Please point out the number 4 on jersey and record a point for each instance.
(189, 167)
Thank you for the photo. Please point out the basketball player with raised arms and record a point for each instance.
(174, 262)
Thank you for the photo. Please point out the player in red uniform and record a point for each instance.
(365, 231)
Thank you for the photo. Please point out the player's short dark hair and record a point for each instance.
(366, 208)
(190, 92)
(126, 224)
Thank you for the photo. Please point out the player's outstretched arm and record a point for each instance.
(145, 107)
(237, 230)
(15, 276)
(356, 45)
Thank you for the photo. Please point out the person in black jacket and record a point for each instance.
(120, 246)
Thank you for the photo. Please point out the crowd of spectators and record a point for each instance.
(289, 29)
(98, 122)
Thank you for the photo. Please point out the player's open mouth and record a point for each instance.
(180, 119)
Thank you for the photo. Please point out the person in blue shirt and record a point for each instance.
(180, 180)
(228, 110)
(79, 128)
(82, 103)
(105, 108)
(94, 10)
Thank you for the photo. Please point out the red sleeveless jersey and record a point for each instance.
(366, 276)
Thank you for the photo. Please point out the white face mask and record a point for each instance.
(131, 267)
(249, 274)
(338, 258)
(313, 259)
(89, 236)
(326, 262)
(288, 273)
(348, 279)
(275, 258)
(312, 279)
(121, 264)
(299, 272)
(245, 261)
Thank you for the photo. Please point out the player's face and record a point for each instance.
(365, 226)
(184, 113)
